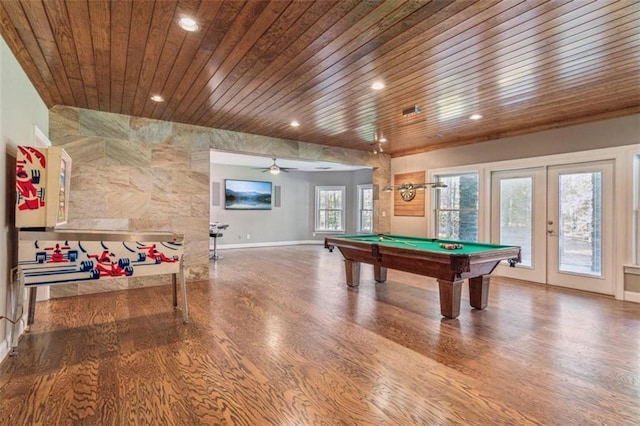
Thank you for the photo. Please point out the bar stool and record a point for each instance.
(215, 234)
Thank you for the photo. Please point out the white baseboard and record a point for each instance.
(5, 345)
(4, 350)
(632, 296)
(268, 244)
(629, 271)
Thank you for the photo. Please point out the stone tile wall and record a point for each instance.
(138, 174)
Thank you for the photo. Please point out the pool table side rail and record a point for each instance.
(372, 238)
(442, 265)
(497, 252)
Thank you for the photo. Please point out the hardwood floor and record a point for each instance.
(277, 338)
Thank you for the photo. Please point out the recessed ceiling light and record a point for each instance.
(476, 117)
(377, 85)
(188, 24)
(157, 98)
(294, 123)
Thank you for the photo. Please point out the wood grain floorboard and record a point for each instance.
(276, 338)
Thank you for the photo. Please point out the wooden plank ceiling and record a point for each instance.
(254, 66)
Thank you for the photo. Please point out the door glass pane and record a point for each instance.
(580, 227)
(516, 215)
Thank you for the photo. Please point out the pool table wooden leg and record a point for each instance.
(352, 270)
(379, 273)
(479, 291)
(450, 298)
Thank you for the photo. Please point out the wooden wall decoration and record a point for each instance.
(415, 207)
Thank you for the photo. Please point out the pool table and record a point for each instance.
(450, 262)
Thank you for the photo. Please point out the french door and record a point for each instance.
(519, 218)
(580, 228)
(561, 216)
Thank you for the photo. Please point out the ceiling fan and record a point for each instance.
(274, 169)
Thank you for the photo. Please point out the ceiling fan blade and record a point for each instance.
(274, 165)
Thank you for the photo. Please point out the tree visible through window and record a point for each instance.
(457, 207)
(516, 215)
(580, 236)
(365, 208)
(330, 208)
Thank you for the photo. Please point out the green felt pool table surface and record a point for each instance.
(432, 244)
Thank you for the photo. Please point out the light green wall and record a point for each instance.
(20, 109)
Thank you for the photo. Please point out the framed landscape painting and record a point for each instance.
(247, 195)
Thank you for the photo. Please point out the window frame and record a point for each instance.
(317, 209)
(361, 189)
(436, 177)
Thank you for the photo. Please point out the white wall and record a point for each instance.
(293, 221)
(599, 134)
(20, 109)
(623, 131)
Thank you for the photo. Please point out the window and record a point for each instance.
(365, 208)
(330, 208)
(457, 207)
